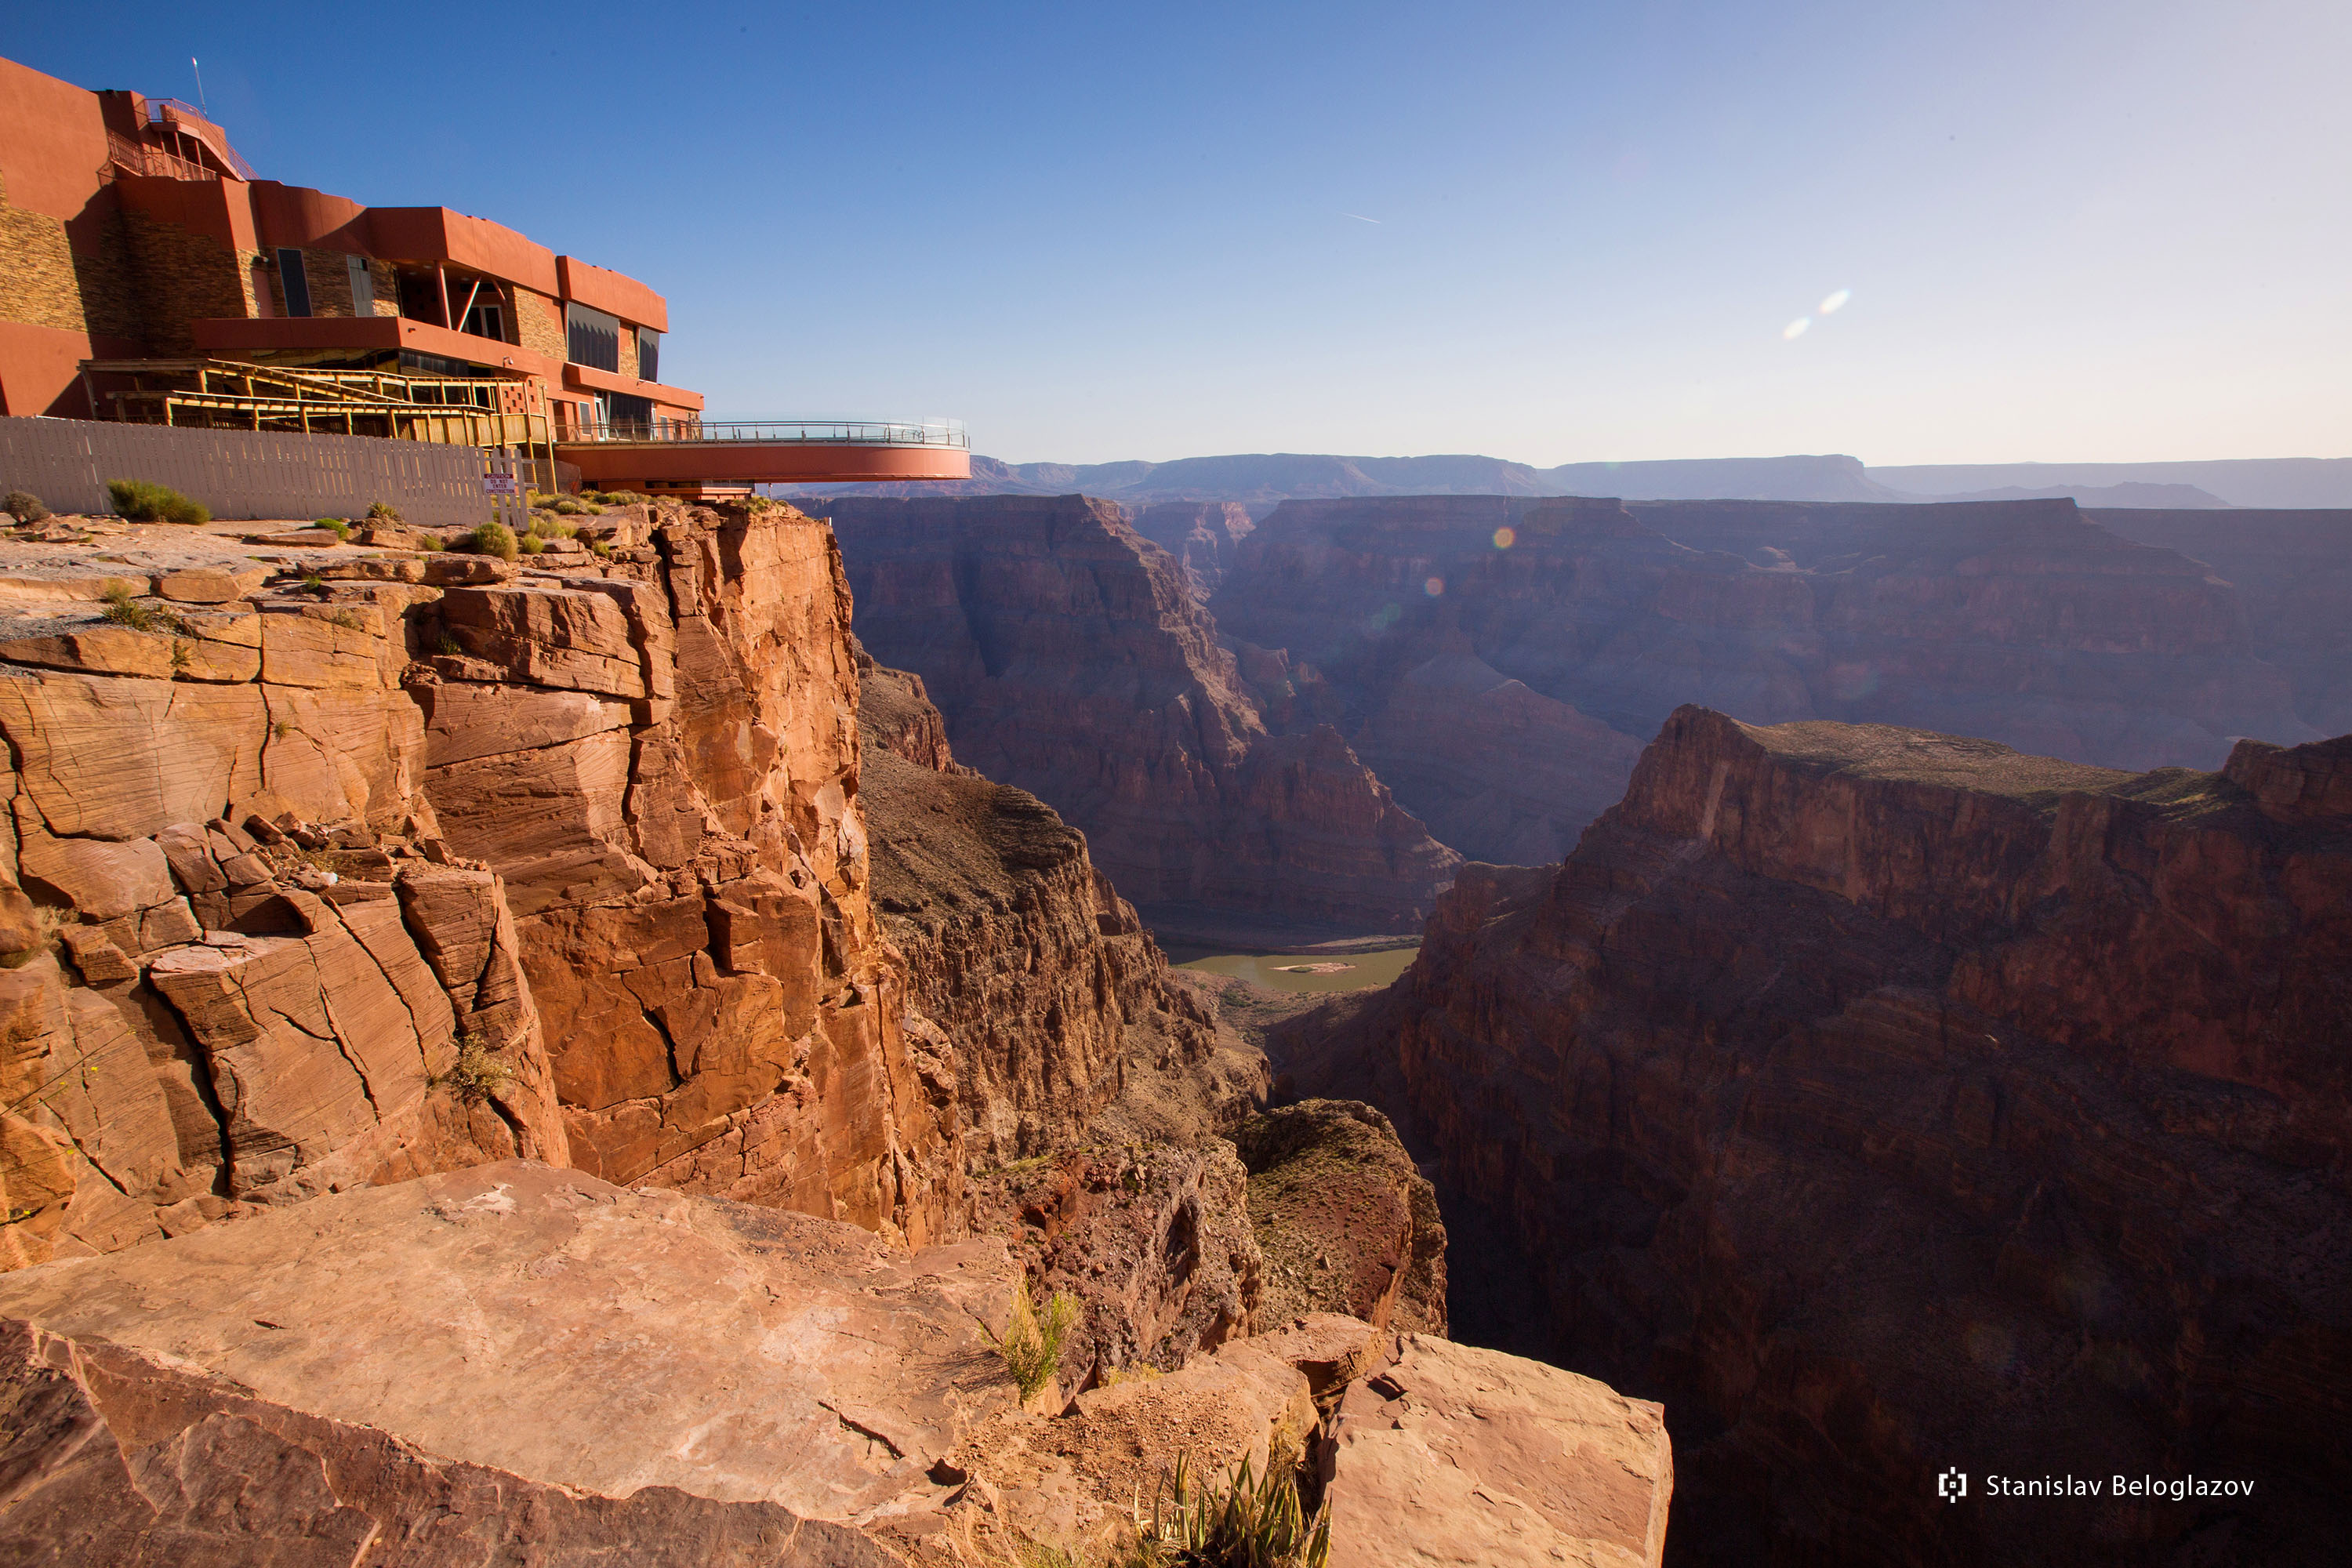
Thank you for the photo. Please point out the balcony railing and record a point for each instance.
(788, 432)
(146, 158)
(180, 115)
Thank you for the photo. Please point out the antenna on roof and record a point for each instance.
(200, 87)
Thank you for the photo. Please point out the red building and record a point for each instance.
(147, 273)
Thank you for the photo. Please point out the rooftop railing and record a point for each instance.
(786, 432)
(180, 115)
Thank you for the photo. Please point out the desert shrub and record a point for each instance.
(25, 507)
(492, 538)
(1141, 1371)
(616, 498)
(350, 620)
(1249, 1522)
(449, 644)
(1032, 1342)
(336, 526)
(124, 610)
(314, 583)
(382, 513)
(477, 1074)
(429, 541)
(547, 527)
(140, 502)
(600, 547)
(531, 544)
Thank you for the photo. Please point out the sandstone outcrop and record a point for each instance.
(1344, 1221)
(521, 1362)
(1887, 1102)
(364, 864)
(1071, 662)
(2023, 622)
(1455, 1455)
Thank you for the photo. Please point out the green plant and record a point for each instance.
(600, 547)
(1037, 1555)
(25, 507)
(125, 611)
(314, 583)
(336, 526)
(1032, 1342)
(281, 729)
(450, 645)
(531, 544)
(1250, 1523)
(478, 1072)
(568, 506)
(140, 502)
(1141, 1371)
(429, 541)
(492, 538)
(350, 620)
(381, 513)
(180, 659)
(548, 528)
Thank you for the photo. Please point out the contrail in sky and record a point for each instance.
(1359, 217)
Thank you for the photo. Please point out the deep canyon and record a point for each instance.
(1882, 1007)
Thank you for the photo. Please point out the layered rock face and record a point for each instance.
(1889, 1102)
(2293, 571)
(1070, 661)
(1039, 974)
(664, 765)
(359, 862)
(1201, 535)
(2022, 622)
(248, 968)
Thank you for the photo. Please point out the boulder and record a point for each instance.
(1457, 1455)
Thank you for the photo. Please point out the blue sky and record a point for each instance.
(2070, 230)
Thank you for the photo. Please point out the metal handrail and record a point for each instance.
(788, 431)
(141, 158)
(180, 108)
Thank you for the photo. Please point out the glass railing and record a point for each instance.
(781, 432)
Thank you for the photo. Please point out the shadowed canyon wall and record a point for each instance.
(1070, 661)
(1884, 1101)
(1561, 631)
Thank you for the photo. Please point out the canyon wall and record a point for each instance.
(2293, 571)
(2022, 622)
(1040, 975)
(1070, 661)
(1201, 535)
(1887, 1102)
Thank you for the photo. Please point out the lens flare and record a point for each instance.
(1797, 328)
(1433, 587)
(1835, 303)
(1506, 536)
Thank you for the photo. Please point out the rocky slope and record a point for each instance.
(2024, 623)
(1042, 979)
(1070, 661)
(1888, 1102)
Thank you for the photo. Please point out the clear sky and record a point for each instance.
(2071, 229)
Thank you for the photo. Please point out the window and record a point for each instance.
(649, 354)
(594, 337)
(635, 412)
(294, 281)
(486, 321)
(362, 286)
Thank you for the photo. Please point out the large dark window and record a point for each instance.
(637, 413)
(649, 354)
(295, 280)
(594, 338)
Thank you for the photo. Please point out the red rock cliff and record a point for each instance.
(1888, 1102)
(2022, 622)
(1071, 662)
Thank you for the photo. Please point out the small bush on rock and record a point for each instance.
(1032, 1343)
(382, 513)
(25, 507)
(1250, 1523)
(492, 538)
(478, 1072)
(140, 502)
